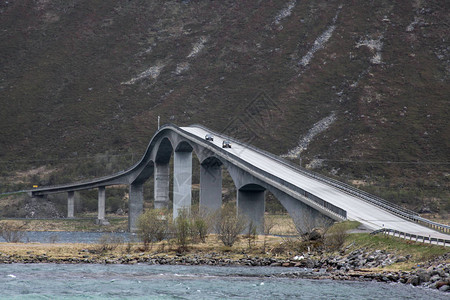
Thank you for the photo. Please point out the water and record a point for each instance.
(71, 236)
(142, 281)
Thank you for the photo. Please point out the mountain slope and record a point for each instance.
(83, 82)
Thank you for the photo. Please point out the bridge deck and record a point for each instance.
(357, 209)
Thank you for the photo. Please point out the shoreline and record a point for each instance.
(355, 266)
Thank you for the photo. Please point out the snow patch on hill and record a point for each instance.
(182, 67)
(198, 47)
(320, 42)
(375, 46)
(285, 12)
(317, 128)
(413, 24)
(152, 72)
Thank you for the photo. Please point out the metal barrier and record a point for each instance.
(412, 237)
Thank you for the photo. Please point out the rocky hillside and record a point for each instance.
(358, 89)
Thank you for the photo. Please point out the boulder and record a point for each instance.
(424, 276)
(445, 288)
(414, 280)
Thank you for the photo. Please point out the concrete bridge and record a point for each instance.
(304, 194)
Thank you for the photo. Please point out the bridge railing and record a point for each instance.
(382, 203)
(77, 183)
(323, 203)
(412, 237)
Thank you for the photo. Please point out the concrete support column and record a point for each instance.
(161, 187)
(305, 217)
(182, 181)
(70, 204)
(101, 203)
(251, 203)
(210, 187)
(135, 205)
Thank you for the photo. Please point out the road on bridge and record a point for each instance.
(368, 214)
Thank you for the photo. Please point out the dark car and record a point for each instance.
(226, 144)
(209, 137)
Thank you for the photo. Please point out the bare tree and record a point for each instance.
(311, 225)
(201, 223)
(12, 232)
(335, 237)
(251, 234)
(153, 225)
(269, 224)
(228, 224)
(183, 229)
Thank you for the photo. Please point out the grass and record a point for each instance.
(239, 250)
(419, 252)
(347, 225)
(284, 225)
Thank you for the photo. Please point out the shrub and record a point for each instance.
(229, 224)
(309, 225)
(108, 242)
(269, 224)
(335, 237)
(153, 225)
(182, 229)
(251, 234)
(201, 224)
(12, 232)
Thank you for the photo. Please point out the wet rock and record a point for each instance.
(423, 275)
(441, 284)
(445, 288)
(414, 280)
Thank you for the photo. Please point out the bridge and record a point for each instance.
(304, 194)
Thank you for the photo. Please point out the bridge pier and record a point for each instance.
(251, 202)
(135, 205)
(161, 185)
(305, 217)
(101, 206)
(70, 204)
(182, 181)
(210, 186)
(250, 196)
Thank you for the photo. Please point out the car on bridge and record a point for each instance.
(226, 144)
(209, 137)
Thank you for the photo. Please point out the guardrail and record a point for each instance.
(412, 237)
(15, 192)
(382, 203)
